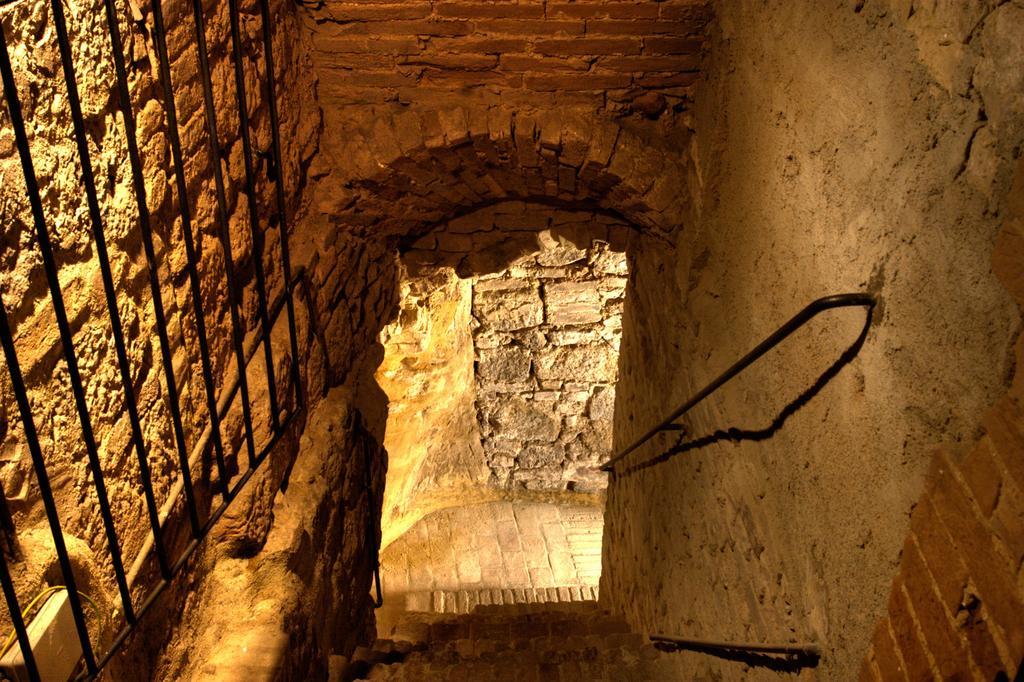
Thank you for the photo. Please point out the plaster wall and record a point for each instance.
(839, 147)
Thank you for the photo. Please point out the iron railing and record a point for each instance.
(800, 319)
(169, 567)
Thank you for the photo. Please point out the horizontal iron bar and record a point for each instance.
(808, 650)
(797, 321)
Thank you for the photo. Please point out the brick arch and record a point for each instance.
(410, 171)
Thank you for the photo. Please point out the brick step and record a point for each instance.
(465, 601)
(653, 667)
(422, 628)
(521, 642)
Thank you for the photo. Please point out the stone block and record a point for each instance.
(507, 305)
(509, 364)
(526, 421)
(594, 363)
(572, 303)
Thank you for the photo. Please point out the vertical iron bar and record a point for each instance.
(78, 122)
(250, 192)
(160, 39)
(12, 601)
(57, 299)
(39, 467)
(275, 132)
(225, 229)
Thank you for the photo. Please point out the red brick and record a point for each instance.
(1008, 522)
(646, 63)
(479, 45)
(609, 10)
(868, 670)
(350, 12)
(471, 78)
(589, 46)
(478, 10)
(983, 476)
(1005, 426)
(519, 62)
(989, 570)
(584, 81)
(947, 567)
(984, 652)
(529, 28)
(946, 646)
(392, 46)
(904, 629)
(673, 80)
(641, 28)
(657, 45)
(406, 28)
(886, 655)
(686, 11)
(379, 79)
(467, 62)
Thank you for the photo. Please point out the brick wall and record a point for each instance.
(956, 608)
(622, 51)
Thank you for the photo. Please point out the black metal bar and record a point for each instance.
(82, 142)
(170, 107)
(798, 320)
(189, 550)
(50, 267)
(801, 650)
(12, 600)
(216, 162)
(45, 491)
(250, 193)
(282, 210)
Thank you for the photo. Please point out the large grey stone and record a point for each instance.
(508, 304)
(506, 364)
(526, 421)
(595, 363)
(573, 303)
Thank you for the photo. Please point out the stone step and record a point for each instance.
(540, 641)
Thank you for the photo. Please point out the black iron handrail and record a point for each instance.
(800, 319)
(797, 651)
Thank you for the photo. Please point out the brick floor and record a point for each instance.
(493, 553)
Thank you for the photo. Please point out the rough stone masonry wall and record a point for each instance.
(501, 364)
(841, 146)
(30, 34)
(546, 342)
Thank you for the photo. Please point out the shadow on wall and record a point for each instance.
(736, 434)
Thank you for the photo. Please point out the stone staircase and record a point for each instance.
(520, 642)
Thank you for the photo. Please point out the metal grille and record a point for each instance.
(217, 407)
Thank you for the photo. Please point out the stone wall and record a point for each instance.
(546, 343)
(501, 364)
(29, 31)
(856, 146)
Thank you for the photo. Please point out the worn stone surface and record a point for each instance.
(305, 595)
(454, 559)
